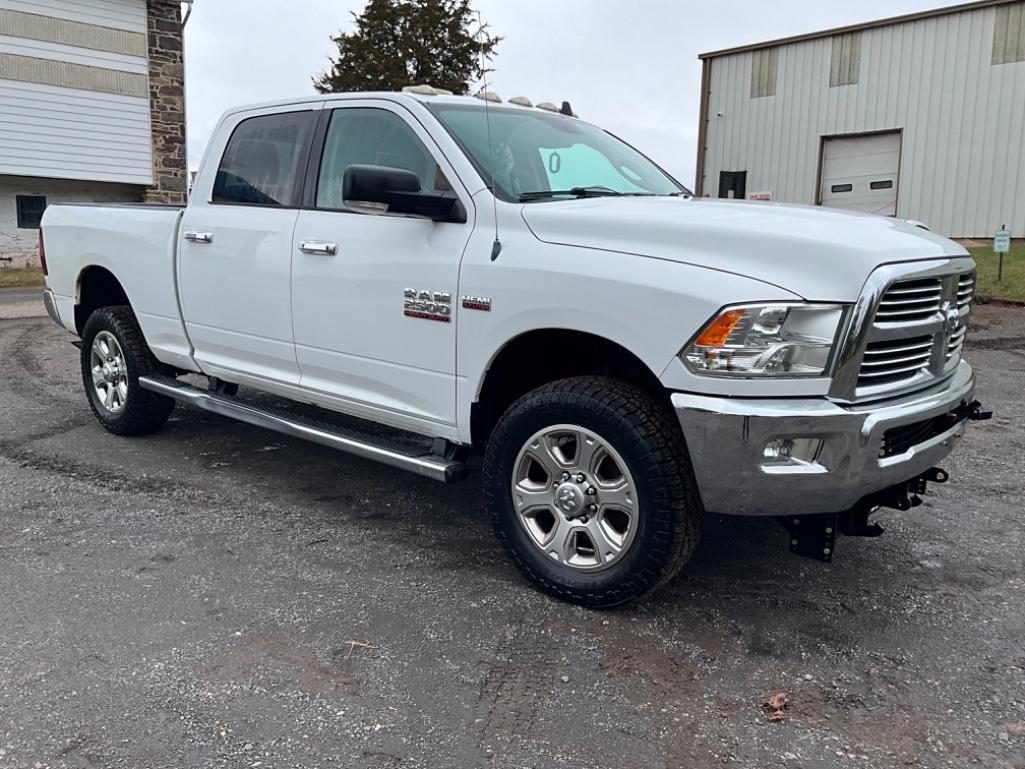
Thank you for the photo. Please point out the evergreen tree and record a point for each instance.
(409, 42)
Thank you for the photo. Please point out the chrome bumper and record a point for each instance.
(51, 307)
(727, 439)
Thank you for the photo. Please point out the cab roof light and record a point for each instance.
(489, 96)
(426, 90)
(548, 106)
(521, 101)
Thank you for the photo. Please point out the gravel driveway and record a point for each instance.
(216, 595)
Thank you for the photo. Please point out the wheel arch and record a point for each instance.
(96, 287)
(539, 356)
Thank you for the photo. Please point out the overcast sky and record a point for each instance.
(628, 65)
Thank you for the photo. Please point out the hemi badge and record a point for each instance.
(481, 303)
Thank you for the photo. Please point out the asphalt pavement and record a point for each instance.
(21, 303)
(219, 596)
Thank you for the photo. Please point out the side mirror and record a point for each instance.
(397, 191)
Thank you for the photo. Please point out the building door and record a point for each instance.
(860, 173)
(733, 184)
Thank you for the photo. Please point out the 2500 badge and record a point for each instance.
(429, 305)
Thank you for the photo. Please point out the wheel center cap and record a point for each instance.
(569, 498)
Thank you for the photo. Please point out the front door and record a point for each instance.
(235, 257)
(732, 184)
(375, 294)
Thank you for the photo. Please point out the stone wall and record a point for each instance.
(167, 102)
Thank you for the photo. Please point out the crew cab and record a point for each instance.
(507, 286)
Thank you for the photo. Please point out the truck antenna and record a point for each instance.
(496, 247)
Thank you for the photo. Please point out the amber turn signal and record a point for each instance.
(716, 333)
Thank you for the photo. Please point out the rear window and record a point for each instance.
(261, 164)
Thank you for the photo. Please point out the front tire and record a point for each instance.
(590, 489)
(114, 356)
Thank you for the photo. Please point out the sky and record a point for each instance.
(630, 66)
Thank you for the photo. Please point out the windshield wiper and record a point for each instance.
(576, 192)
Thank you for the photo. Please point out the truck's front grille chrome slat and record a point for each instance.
(921, 359)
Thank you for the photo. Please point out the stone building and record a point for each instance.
(92, 109)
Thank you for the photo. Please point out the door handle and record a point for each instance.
(199, 237)
(318, 248)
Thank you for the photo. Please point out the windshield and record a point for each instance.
(541, 156)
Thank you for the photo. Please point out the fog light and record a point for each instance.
(791, 452)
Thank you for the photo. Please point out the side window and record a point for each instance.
(30, 210)
(372, 137)
(261, 163)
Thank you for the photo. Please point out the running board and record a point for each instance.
(429, 465)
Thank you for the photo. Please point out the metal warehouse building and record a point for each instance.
(920, 117)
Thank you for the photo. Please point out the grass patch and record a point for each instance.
(21, 277)
(1013, 284)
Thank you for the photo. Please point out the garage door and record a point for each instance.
(859, 173)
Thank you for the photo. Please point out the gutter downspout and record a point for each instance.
(699, 168)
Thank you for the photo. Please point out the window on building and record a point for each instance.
(1009, 34)
(764, 64)
(261, 165)
(30, 211)
(845, 64)
(372, 137)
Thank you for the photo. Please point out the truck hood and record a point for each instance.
(820, 254)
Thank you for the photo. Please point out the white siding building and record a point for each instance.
(920, 117)
(91, 109)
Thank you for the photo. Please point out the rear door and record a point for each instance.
(235, 259)
(860, 173)
(360, 339)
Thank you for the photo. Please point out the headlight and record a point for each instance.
(766, 340)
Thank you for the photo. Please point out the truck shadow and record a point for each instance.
(736, 557)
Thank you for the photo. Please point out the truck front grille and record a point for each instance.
(916, 330)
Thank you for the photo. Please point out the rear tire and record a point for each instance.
(590, 489)
(114, 356)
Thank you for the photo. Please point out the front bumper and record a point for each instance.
(727, 439)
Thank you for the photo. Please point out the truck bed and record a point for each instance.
(135, 242)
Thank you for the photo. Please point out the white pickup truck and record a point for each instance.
(514, 283)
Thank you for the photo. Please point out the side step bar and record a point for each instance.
(429, 465)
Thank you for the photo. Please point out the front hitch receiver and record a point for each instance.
(814, 536)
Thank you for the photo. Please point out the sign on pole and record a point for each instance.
(1001, 245)
(1002, 241)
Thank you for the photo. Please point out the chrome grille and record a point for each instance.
(910, 300)
(907, 330)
